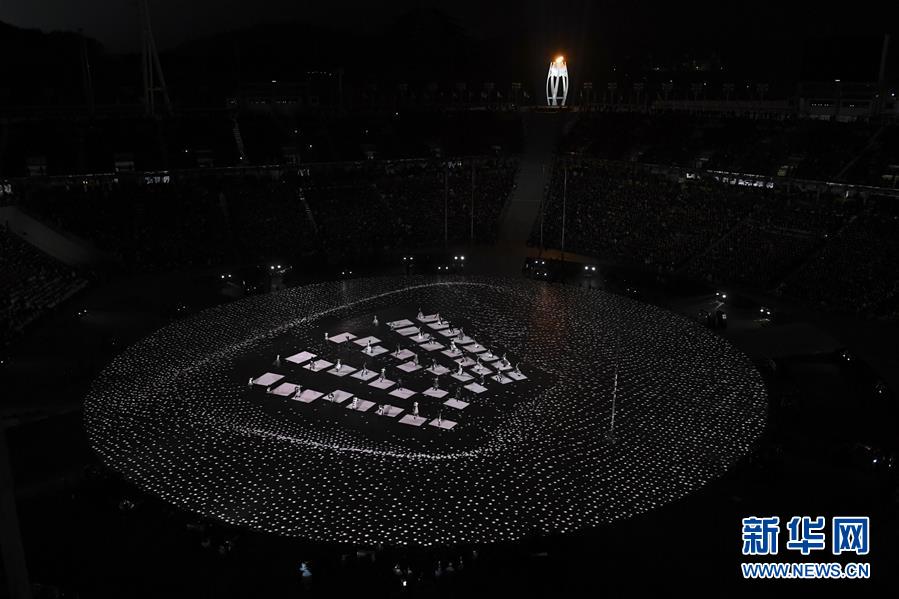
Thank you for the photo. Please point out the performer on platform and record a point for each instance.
(415, 409)
(250, 384)
(375, 320)
(338, 366)
(383, 375)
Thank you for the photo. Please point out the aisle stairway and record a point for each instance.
(542, 130)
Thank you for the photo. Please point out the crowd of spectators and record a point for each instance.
(788, 146)
(856, 270)
(232, 137)
(827, 249)
(781, 231)
(345, 211)
(617, 211)
(30, 283)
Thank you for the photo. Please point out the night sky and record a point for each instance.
(759, 32)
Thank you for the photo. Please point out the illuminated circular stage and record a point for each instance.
(472, 410)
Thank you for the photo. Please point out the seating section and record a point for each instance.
(347, 211)
(30, 284)
(830, 250)
(786, 146)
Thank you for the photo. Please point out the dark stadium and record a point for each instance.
(448, 299)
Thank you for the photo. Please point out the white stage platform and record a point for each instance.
(317, 365)
(363, 405)
(455, 403)
(284, 389)
(409, 367)
(396, 324)
(404, 354)
(344, 370)
(308, 396)
(413, 420)
(443, 424)
(375, 350)
(475, 388)
(338, 396)
(390, 411)
(342, 337)
(364, 376)
(403, 393)
(385, 384)
(303, 356)
(268, 379)
(437, 393)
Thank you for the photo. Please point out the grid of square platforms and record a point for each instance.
(474, 368)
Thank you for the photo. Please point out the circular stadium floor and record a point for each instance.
(205, 413)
